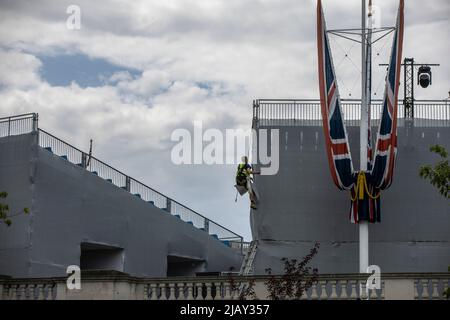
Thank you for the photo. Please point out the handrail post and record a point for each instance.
(128, 183)
(35, 122)
(242, 245)
(206, 225)
(84, 160)
(256, 115)
(168, 205)
(253, 109)
(446, 110)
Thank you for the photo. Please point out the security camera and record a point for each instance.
(424, 76)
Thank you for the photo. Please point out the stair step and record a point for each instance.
(247, 263)
(226, 242)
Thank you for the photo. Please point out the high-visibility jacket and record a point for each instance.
(242, 174)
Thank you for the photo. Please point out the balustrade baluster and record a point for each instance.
(190, 291)
(314, 291)
(208, 291)
(354, 289)
(417, 293)
(435, 289)
(171, 291)
(333, 294)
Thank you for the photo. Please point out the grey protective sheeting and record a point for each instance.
(301, 205)
(70, 205)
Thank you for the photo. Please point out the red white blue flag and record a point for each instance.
(386, 146)
(336, 138)
(365, 187)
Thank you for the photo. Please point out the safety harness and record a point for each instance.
(241, 177)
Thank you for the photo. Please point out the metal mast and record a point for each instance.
(408, 89)
(369, 36)
(364, 129)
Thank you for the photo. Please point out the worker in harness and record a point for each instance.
(243, 180)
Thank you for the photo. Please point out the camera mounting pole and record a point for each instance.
(408, 83)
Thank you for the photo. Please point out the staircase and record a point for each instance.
(247, 263)
(28, 123)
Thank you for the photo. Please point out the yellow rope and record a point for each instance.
(361, 186)
(367, 190)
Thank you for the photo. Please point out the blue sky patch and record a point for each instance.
(61, 70)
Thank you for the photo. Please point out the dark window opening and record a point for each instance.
(183, 266)
(101, 257)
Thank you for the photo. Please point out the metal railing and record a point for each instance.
(303, 109)
(20, 124)
(27, 123)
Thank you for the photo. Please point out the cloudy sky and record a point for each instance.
(137, 70)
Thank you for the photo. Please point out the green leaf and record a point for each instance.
(439, 175)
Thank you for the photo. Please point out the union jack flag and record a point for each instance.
(386, 146)
(336, 138)
(364, 186)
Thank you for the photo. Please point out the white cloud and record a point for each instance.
(152, 82)
(19, 70)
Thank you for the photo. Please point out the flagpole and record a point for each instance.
(363, 137)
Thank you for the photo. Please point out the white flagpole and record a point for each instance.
(363, 136)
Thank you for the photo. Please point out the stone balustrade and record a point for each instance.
(121, 286)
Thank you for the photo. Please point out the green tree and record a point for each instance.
(5, 217)
(447, 291)
(298, 277)
(439, 175)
